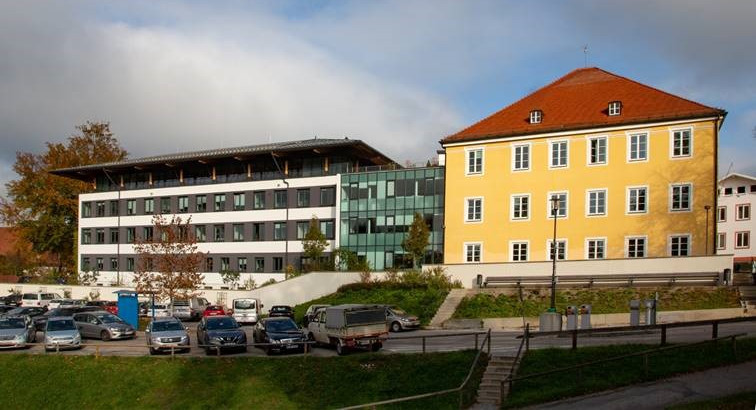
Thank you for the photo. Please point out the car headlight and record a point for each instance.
(275, 341)
(183, 338)
(155, 339)
(215, 340)
(20, 338)
(115, 329)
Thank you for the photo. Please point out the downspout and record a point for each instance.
(718, 124)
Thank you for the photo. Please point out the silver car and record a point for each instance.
(103, 325)
(166, 333)
(61, 333)
(16, 332)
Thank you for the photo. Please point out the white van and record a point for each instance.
(38, 299)
(246, 310)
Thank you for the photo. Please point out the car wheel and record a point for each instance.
(152, 352)
(396, 327)
(208, 352)
(376, 346)
(105, 336)
(268, 350)
(340, 348)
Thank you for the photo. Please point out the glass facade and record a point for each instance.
(377, 209)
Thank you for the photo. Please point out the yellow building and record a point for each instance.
(632, 169)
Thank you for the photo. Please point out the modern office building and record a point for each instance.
(625, 170)
(734, 221)
(250, 206)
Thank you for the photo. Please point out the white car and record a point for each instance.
(161, 310)
(38, 299)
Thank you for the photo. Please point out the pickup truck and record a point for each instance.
(349, 326)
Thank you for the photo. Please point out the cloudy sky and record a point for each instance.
(174, 76)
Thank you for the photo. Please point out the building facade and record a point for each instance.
(625, 171)
(735, 224)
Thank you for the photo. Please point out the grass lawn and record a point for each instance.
(420, 301)
(603, 300)
(614, 374)
(42, 381)
(734, 402)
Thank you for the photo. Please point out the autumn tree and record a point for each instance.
(168, 264)
(314, 244)
(417, 239)
(43, 208)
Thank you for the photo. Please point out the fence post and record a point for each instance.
(173, 352)
(489, 341)
(714, 330)
(645, 366)
(574, 339)
(423, 344)
(663, 335)
(527, 337)
(217, 350)
(97, 350)
(734, 348)
(476, 341)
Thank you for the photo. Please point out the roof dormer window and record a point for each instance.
(536, 116)
(615, 108)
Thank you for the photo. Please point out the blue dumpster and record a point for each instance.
(128, 307)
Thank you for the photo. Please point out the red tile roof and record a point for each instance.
(580, 100)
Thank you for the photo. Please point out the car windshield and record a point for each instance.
(166, 326)
(222, 323)
(244, 304)
(108, 318)
(274, 326)
(58, 325)
(48, 296)
(12, 323)
(399, 312)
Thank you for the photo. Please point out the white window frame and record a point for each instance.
(519, 242)
(468, 153)
(465, 247)
(566, 154)
(467, 209)
(742, 234)
(589, 142)
(672, 205)
(630, 136)
(536, 116)
(628, 190)
(672, 138)
(636, 237)
(721, 214)
(560, 241)
(588, 247)
(588, 193)
(739, 211)
(615, 108)
(673, 236)
(566, 204)
(721, 240)
(512, 202)
(527, 148)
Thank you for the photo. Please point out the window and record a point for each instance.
(536, 116)
(114, 208)
(636, 200)
(165, 205)
(472, 252)
(519, 251)
(280, 199)
(279, 231)
(753, 188)
(728, 191)
(722, 214)
(200, 233)
(679, 245)
(326, 227)
(130, 264)
(86, 236)
(561, 249)
(147, 233)
(100, 208)
(201, 205)
(721, 240)
(742, 212)
(242, 264)
(113, 235)
(681, 143)
(258, 231)
(596, 202)
(740, 190)
(209, 265)
(85, 264)
(390, 189)
(100, 235)
(219, 233)
(100, 264)
(239, 201)
(561, 211)
(636, 247)
(277, 264)
(742, 240)
(474, 212)
(302, 228)
(638, 147)
(86, 209)
(220, 203)
(520, 207)
(303, 198)
(258, 200)
(597, 150)
(130, 235)
(680, 200)
(615, 108)
(149, 206)
(131, 207)
(328, 196)
(475, 161)
(520, 157)
(183, 204)
(113, 264)
(238, 232)
(596, 248)
(259, 264)
(225, 264)
(558, 154)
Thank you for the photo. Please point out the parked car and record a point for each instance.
(69, 303)
(62, 333)
(310, 313)
(55, 303)
(246, 310)
(349, 326)
(41, 320)
(5, 308)
(282, 332)
(281, 310)
(16, 332)
(159, 309)
(38, 299)
(399, 320)
(214, 310)
(182, 310)
(219, 333)
(198, 306)
(167, 333)
(14, 299)
(107, 305)
(103, 325)
(30, 311)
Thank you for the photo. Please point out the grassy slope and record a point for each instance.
(603, 300)
(38, 381)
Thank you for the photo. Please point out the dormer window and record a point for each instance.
(536, 116)
(615, 108)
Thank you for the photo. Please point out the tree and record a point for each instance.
(314, 244)
(42, 207)
(168, 264)
(417, 239)
(230, 277)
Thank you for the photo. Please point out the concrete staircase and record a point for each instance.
(748, 297)
(490, 390)
(446, 310)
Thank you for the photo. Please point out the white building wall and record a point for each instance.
(731, 225)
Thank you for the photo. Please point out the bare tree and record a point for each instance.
(168, 263)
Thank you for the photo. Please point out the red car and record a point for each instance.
(214, 310)
(112, 307)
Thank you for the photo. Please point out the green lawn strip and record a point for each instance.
(603, 300)
(614, 374)
(40, 381)
(734, 402)
(420, 301)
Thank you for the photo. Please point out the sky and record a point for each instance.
(175, 76)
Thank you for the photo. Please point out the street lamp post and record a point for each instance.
(707, 207)
(554, 252)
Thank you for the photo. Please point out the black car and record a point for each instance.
(218, 333)
(281, 310)
(5, 308)
(30, 311)
(14, 299)
(41, 321)
(283, 334)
